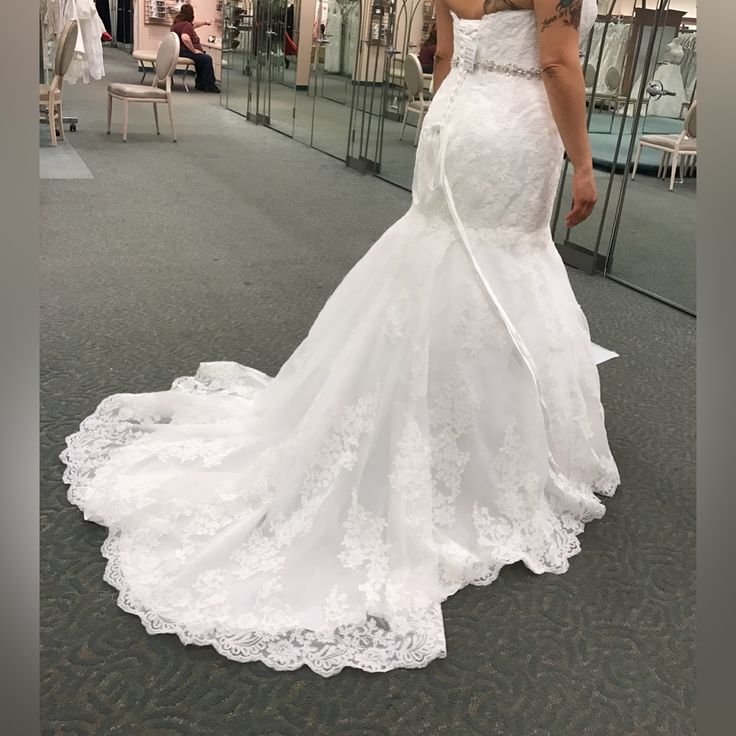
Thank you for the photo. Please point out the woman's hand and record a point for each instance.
(584, 197)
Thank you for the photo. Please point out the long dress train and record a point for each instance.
(441, 420)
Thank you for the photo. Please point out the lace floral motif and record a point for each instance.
(411, 477)
(364, 547)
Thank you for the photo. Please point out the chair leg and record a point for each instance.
(675, 162)
(109, 112)
(691, 167)
(125, 120)
(50, 113)
(662, 160)
(636, 161)
(61, 122)
(171, 118)
(406, 116)
(184, 77)
(666, 164)
(155, 117)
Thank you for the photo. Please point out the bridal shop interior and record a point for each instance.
(348, 94)
(227, 243)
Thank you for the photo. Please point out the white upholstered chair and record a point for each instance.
(166, 61)
(50, 94)
(675, 147)
(416, 102)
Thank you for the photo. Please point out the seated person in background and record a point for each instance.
(427, 52)
(184, 25)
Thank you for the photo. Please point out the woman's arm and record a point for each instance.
(200, 23)
(186, 39)
(558, 23)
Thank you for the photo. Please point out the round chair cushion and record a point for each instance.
(140, 55)
(139, 91)
(668, 141)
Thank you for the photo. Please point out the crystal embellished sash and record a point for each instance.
(460, 62)
(467, 60)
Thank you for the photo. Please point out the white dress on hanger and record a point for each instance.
(50, 28)
(332, 52)
(88, 58)
(442, 418)
(688, 67)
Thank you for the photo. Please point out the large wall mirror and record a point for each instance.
(393, 86)
(239, 76)
(640, 69)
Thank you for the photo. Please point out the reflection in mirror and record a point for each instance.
(392, 87)
(407, 88)
(654, 247)
(275, 18)
(336, 28)
(341, 23)
(237, 46)
(640, 84)
(305, 15)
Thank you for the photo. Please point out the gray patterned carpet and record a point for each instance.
(225, 246)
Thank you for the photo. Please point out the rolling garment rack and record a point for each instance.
(88, 59)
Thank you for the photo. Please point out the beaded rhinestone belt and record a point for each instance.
(491, 66)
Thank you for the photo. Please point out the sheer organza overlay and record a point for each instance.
(441, 420)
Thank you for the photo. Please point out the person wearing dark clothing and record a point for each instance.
(191, 47)
(427, 52)
(290, 20)
(289, 45)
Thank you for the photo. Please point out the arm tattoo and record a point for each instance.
(489, 6)
(568, 11)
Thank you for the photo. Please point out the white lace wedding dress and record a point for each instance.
(441, 420)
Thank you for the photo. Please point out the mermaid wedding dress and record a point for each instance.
(441, 420)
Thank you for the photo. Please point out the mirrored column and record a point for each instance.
(238, 43)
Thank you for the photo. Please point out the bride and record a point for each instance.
(442, 418)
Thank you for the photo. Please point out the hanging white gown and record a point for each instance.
(332, 52)
(88, 60)
(441, 420)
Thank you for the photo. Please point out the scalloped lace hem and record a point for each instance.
(375, 644)
(370, 647)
